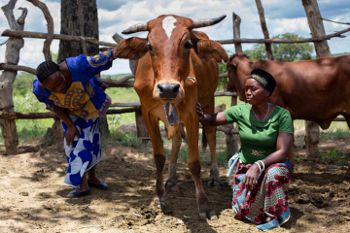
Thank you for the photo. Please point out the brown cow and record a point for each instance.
(176, 68)
(316, 90)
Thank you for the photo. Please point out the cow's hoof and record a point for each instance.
(214, 183)
(166, 209)
(208, 214)
(171, 186)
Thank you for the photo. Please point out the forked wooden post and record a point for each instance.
(141, 130)
(13, 47)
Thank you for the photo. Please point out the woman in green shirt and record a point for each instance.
(260, 172)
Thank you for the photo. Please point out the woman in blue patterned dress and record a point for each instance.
(72, 91)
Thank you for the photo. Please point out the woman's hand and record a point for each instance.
(205, 119)
(251, 177)
(71, 132)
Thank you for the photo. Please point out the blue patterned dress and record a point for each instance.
(85, 101)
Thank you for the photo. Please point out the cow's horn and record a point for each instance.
(206, 22)
(136, 28)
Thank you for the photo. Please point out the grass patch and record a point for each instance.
(335, 134)
(333, 156)
(128, 139)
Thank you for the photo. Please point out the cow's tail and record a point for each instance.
(204, 140)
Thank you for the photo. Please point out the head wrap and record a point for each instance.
(45, 69)
(264, 78)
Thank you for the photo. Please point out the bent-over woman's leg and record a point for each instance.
(85, 152)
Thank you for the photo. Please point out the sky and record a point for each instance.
(116, 15)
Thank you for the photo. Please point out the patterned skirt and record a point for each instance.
(85, 152)
(267, 204)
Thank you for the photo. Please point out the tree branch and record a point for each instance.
(22, 18)
(50, 27)
(8, 11)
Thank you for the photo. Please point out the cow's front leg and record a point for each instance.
(159, 159)
(171, 182)
(194, 166)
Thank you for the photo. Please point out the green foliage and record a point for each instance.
(284, 52)
(222, 81)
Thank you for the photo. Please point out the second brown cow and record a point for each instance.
(316, 90)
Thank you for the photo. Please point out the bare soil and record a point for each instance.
(33, 195)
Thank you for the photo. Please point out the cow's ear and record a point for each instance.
(232, 64)
(207, 49)
(132, 48)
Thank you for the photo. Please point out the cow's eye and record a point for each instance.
(188, 44)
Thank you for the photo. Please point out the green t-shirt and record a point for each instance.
(258, 137)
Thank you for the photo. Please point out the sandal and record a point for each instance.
(76, 194)
(101, 185)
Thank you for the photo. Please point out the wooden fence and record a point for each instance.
(15, 33)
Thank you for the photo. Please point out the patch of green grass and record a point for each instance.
(333, 156)
(128, 139)
(335, 134)
(32, 129)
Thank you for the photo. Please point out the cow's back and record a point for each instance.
(315, 90)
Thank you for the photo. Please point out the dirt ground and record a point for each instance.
(32, 195)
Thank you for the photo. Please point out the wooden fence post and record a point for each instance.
(237, 32)
(312, 130)
(232, 140)
(141, 130)
(8, 126)
(264, 29)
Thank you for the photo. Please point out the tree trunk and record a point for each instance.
(79, 18)
(312, 130)
(13, 47)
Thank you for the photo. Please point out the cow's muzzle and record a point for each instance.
(168, 90)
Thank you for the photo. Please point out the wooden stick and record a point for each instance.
(286, 41)
(5, 66)
(39, 35)
(44, 115)
(333, 21)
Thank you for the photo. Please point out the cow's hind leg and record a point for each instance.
(195, 167)
(171, 182)
(210, 132)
